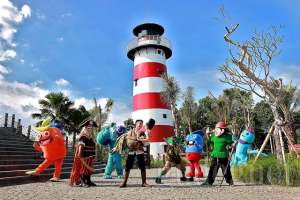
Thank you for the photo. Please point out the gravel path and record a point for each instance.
(171, 189)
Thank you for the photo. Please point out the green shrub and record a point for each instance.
(156, 164)
(269, 171)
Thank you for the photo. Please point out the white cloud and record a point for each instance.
(288, 73)
(25, 11)
(89, 103)
(7, 54)
(37, 83)
(20, 98)
(10, 16)
(3, 70)
(62, 82)
(120, 112)
(202, 81)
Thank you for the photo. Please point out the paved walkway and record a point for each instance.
(171, 189)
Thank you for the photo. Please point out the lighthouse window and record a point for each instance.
(135, 82)
(165, 116)
(159, 51)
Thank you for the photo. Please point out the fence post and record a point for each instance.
(18, 125)
(5, 120)
(67, 142)
(13, 120)
(20, 129)
(28, 131)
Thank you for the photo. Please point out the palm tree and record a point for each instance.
(170, 95)
(188, 107)
(55, 106)
(100, 116)
(77, 116)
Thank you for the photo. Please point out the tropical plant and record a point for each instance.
(170, 95)
(188, 108)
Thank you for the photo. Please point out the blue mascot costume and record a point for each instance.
(244, 144)
(193, 151)
(108, 136)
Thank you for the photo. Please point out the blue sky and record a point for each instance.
(79, 47)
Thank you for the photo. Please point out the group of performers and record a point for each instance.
(51, 143)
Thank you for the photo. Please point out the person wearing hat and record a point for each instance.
(221, 141)
(84, 156)
(135, 139)
(173, 158)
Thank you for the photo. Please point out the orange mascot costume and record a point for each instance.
(51, 143)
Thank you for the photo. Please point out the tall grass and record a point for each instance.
(270, 171)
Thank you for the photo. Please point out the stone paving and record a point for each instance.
(171, 188)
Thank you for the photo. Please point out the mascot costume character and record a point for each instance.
(193, 151)
(244, 144)
(52, 144)
(108, 136)
(173, 158)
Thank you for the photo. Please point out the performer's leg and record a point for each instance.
(192, 169)
(181, 167)
(142, 166)
(58, 164)
(118, 160)
(213, 171)
(43, 166)
(88, 180)
(129, 165)
(164, 171)
(166, 168)
(198, 168)
(227, 173)
(109, 167)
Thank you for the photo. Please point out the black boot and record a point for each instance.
(158, 180)
(82, 181)
(89, 182)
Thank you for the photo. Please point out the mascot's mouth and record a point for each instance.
(45, 142)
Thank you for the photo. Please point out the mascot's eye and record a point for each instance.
(47, 133)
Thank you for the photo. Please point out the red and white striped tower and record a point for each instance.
(149, 51)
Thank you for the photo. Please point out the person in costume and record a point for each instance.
(84, 156)
(57, 124)
(193, 151)
(52, 144)
(240, 156)
(221, 141)
(173, 158)
(108, 136)
(134, 141)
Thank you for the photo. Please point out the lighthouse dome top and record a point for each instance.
(148, 29)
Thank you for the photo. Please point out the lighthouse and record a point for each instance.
(149, 51)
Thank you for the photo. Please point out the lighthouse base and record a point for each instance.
(157, 150)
